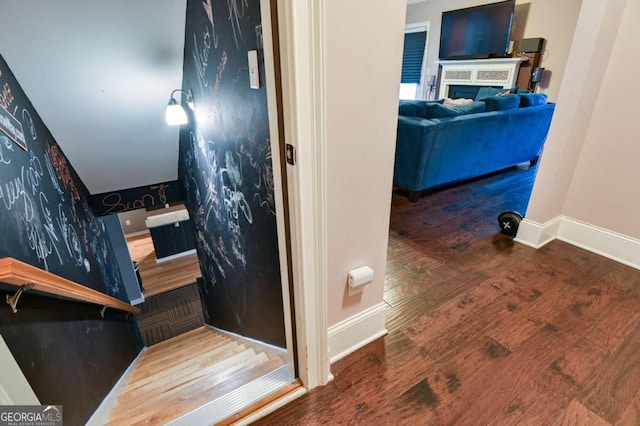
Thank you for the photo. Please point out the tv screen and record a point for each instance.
(477, 32)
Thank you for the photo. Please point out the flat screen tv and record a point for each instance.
(477, 32)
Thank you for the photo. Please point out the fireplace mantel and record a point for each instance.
(501, 72)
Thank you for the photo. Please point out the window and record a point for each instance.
(408, 91)
(415, 40)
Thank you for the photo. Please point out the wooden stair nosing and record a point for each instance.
(138, 410)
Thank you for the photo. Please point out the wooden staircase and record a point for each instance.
(181, 374)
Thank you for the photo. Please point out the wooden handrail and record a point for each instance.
(29, 277)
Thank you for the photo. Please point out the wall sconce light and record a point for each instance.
(175, 114)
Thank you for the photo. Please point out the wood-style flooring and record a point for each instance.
(161, 277)
(177, 376)
(485, 331)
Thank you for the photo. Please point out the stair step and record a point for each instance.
(196, 400)
(146, 404)
(147, 367)
(181, 374)
(177, 339)
(159, 351)
(173, 384)
(184, 368)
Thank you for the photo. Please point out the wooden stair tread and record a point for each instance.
(195, 401)
(200, 331)
(186, 370)
(181, 374)
(194, 390)
(160, 389)
(167, 360)
(176, 406)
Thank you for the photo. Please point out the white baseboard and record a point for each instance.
(355, 332)
(536, 235)
(176, 256)
(607, 243)
(101, 415)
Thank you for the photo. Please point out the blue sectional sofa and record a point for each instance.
(439, 145)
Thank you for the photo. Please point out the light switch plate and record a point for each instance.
(254, 74)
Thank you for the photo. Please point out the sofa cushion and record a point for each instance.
(485, 92)
(532, 99)
(444, 111)
(415, 108)
(500, 103)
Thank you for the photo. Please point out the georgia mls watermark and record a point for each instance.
(30, 415)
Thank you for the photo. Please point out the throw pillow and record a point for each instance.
(443, 111)
(456, 102)
(532, 99)
(500, 103)
(485, 92)
(415, 108)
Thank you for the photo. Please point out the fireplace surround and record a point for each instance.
(501, 72)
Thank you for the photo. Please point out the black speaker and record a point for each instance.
(532, 45)
(537, 75)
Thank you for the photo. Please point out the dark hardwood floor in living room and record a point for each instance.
(485, 331)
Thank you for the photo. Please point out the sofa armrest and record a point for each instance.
(414, 141)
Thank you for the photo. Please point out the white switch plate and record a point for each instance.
(254, 74)
(127, 222)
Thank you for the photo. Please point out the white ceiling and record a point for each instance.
(99, 73)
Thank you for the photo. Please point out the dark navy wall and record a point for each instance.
(69, 355)
(226, 171)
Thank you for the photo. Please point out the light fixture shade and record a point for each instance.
(175, 114)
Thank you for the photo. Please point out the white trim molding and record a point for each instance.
(607, 243)
(610, 244)
(357, 331)
(302, 33)
(536, 235)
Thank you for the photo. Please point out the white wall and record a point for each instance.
(605, 189)
(588, 64)
(586, 192)
(551, 19)
(363, 60)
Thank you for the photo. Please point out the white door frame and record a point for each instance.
(301, 36)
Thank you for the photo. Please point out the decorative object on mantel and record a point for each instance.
(431, 87)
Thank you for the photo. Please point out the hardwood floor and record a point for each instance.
(485, 331)
(179, 375)
(161, 277)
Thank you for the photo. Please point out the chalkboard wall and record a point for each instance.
(226, 171)
(68, 354)
(151, 196)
